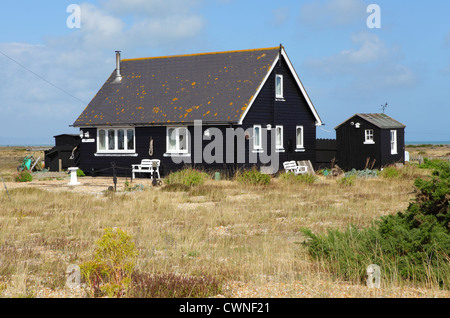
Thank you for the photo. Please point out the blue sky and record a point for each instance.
(346, 67)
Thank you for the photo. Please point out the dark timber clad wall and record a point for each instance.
(292, 112)
(352, 152)
(90, 162)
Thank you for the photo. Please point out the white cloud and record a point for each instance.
(154, 23)
(371, 49)
(329, 13)
(368, 66)
(98, 27)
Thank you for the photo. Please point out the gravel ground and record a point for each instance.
(325, 289)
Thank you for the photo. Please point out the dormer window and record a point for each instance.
(279, 87)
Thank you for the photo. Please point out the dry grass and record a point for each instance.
(248, 237)
(430, 151)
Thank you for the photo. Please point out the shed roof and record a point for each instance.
(382, 121)
(217, 88)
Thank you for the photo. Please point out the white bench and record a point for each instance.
(291, 166)
(147, 166)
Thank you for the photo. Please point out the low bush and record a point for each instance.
(435, 164)
(347, 180)
(301, 178)
(390, 173)
(80, 173)
(188, 177)
(253, 177)
(412, 245)
(109, 273)
(23, 176)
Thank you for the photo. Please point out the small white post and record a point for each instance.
(73, 176)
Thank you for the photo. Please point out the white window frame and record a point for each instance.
(177, 151)
(394, 142)
(116, 149)
(278, 146)
(299, 147)
(279, 95)
(257, 142)
(369, 137)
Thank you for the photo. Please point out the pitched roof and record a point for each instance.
(217, 88)
(213, 87)
(382, 121)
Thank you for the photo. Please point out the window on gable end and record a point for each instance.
(257, 137)
(393, 142)
(369, 136)
(279, 89)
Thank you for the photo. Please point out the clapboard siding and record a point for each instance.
(326, 153)
(290, 113)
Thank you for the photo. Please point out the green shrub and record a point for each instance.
(109, 273)
(413, 245)
(347, 181)
(23, 176)
(301, 178)
(435, 164)
(253, 177)
(80, 173)
(390, 173)
(188, 177)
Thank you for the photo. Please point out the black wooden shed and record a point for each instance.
(66, 150)
(370, 141)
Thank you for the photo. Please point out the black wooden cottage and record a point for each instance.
(251, 104)
(370, 141)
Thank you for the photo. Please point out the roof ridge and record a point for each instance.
(199, 54)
